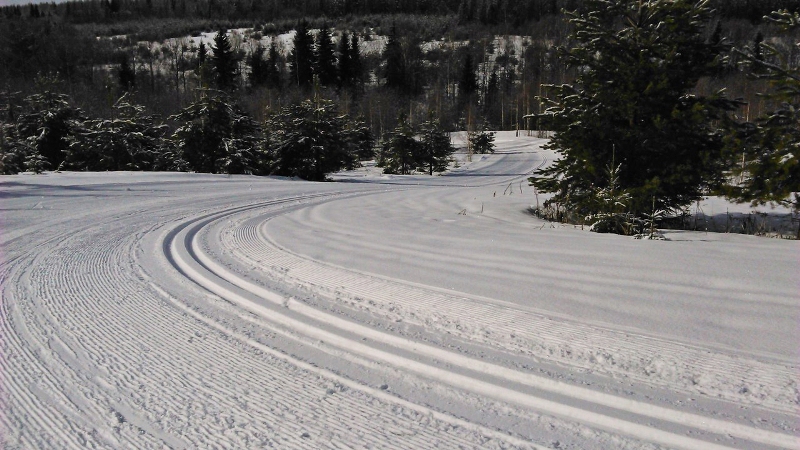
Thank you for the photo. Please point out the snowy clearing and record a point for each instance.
(153, 310)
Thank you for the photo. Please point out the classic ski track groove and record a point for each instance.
(472, 316)
(186, 245)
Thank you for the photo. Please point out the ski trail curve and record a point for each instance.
(184, 248)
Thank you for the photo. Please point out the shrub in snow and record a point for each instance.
(45, 127)
(481, 141)
(130, 140)
(36, 163)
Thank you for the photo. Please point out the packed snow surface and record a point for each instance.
(207, 311)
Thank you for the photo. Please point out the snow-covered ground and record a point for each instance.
(203, 311)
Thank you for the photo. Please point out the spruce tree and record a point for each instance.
(258, 67)
(468, 82)
(126, 74)
(415, 68)
(482, 140)
(274, 63)
(400, 152)
(46, 126)
(312, 139)
(356, 64)
(345, 66)
(224, 62)
(770, 164)
(325, 57)
(202, 55)
(302, 56)
(130, 140)
(632, 105)
(216, 137)
(395, 68)
(434, 147)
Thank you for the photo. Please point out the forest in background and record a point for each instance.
(503, 53)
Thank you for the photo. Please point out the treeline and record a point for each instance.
(212, 135)
(308, 140)
(485, 11)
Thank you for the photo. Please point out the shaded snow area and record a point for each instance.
(410, 312)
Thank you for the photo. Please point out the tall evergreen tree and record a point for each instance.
(492, 96)
(202, 55)
(356, 63)
(345, 66)
(126, 74)
(226, 67)
(395, 69)
(274, 64)
(415, 68)
(468, 82)
(259, 68)
(302, 56)
(632, 106)
(325, 57)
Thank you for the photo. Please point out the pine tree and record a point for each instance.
(638, 63)
(217, 137)
(771, 168)
(468, 83)
(226, 67)
(36, 163)
(202, 55)
(325, 57)
(491, 99)
(435, 148)
(302, 56)
(356, 64)
(274, 63)
(395, 69)
(46, 126)
(400, 152)
(312, 139)
(127, 75)
(130, 140)
(482, 140)
(345, 66)
(415, 69)
(258, 67)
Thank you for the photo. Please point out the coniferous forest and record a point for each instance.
(651, 103)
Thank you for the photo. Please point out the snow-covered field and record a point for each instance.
(202, 311)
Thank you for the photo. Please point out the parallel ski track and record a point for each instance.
(517, 328)
(95, 355)
(189, 256)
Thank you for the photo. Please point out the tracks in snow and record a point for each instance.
(619, 415)
(98, 351)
